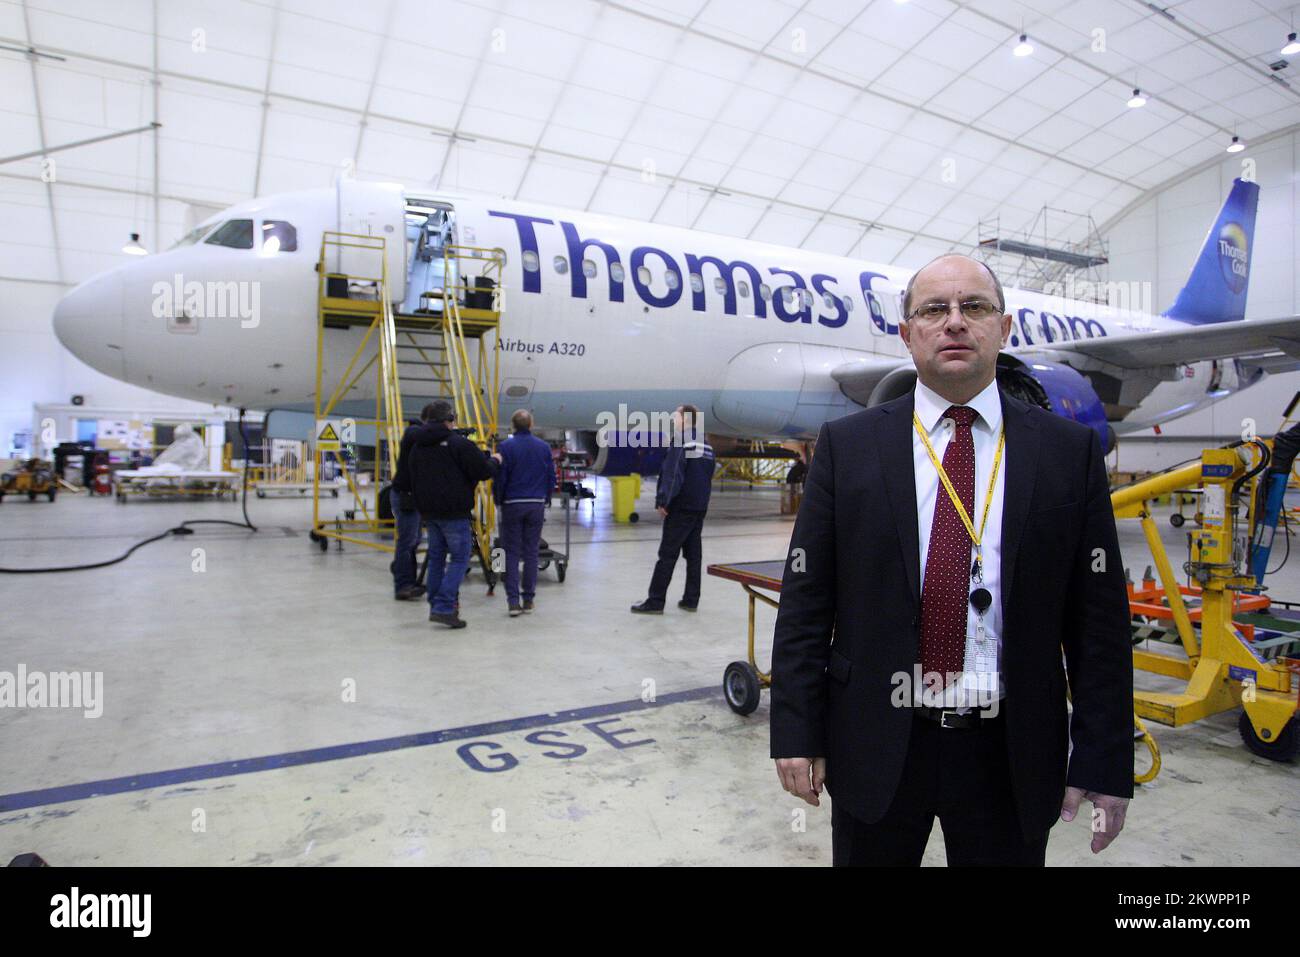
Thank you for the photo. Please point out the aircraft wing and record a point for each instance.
(1274, 343)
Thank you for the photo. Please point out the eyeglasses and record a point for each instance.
(972, 309)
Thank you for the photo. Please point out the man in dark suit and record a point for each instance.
(951, 543)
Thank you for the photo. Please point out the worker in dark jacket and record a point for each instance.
(406, 519)
(445, 469)
(522, 489)
(682, 498)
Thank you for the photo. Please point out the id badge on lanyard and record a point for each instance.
(981, 647)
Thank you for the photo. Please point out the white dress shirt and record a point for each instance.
(930, 407)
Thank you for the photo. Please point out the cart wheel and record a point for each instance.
(1177, 519)
(31, 496)
(560, 569)
(1281, 748)
(633, 518)
(334, 492)
(52, 493)
(261, 494)
(740, 686)
(544, 564)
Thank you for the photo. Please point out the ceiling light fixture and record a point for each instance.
(1236, 146)
(1292, 45)
(1137, 99)
(133, 248)
(1024, 47)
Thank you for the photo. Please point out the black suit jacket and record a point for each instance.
(850, 619)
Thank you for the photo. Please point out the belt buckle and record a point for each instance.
(943, 718)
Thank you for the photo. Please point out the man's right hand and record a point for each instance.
(802, 777)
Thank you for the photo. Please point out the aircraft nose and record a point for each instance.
(88, 321)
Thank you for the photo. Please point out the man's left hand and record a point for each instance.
(663, 511)
(1108, 815)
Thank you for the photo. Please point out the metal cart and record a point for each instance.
(743, 682)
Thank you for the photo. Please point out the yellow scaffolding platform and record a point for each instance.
(424, 357)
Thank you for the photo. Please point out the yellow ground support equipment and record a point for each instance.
(756, 464)
(1222, 666)
(414, 357)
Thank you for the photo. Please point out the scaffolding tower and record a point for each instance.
(416, 358)
(1060, 253)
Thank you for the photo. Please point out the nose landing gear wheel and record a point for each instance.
(741, 688)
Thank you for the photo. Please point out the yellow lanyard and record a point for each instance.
(952, 492)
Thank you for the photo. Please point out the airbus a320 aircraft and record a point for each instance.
(600, 312)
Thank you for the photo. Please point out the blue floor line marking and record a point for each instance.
(338, 752)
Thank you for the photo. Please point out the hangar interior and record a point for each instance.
(264, 701)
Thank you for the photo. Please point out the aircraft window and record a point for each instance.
(697, 282)
(192, 237)
(589, 269)
(561, 265)
(672, 279)
(720, 286)
(530, 261)
(236, 233)
(764, 292)
(643, 275)
(616, 272)
(848, 303)
(829, 300)
(742, 287)
(279, 236)
(787, 295)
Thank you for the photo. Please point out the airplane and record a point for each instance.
(604, 315)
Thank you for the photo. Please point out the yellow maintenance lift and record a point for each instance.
(758, 463)
(1221, 665)
(450, 353)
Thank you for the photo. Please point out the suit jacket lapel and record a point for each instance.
(1021, 468)
(900, 484)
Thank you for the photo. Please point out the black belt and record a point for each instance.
(951, 718)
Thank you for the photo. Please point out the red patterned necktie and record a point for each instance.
(946, 590)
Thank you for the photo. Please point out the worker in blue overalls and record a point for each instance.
(682, 498)
(522, 489)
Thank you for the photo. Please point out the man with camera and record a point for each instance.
(442, 469)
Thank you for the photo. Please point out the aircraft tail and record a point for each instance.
(1216, 289)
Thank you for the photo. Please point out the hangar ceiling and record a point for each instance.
(879, 129)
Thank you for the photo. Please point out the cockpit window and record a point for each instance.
(278, 236)
(237, 234)
(192, 237)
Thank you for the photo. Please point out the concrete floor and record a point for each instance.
(251, 658)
